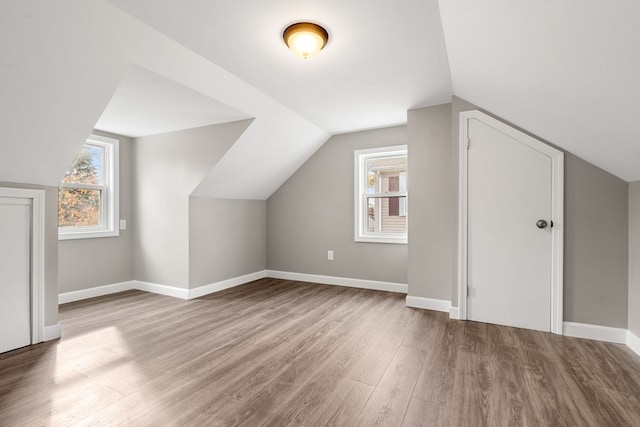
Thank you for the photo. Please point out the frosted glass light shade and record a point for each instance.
(305, 39)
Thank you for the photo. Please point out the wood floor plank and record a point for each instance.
(343, 405)
(554, 396)
(511, 401)
(593, 394)
(35, 396)
(597, 356)
(503, 335)
(249, 340)
(286, 341)
(475, 338)
(250, 373)
(286, 386)
(436, 379)
(69, 407)
(371, 367)
(473, 398)
(326, 348)
(236, 413)
(294, 356)
(392, 395)
(424, 330)
(285, 353)
(140, 408)
(425, 414)
(319, 384)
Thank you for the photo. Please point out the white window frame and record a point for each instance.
(403, 202)
(109, 202)
(361, 214)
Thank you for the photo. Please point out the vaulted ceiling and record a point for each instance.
(383, 57)
(567, 71)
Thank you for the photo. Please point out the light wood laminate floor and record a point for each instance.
(283, 353)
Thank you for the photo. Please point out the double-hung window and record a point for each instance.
(381, 197)
(88, 193)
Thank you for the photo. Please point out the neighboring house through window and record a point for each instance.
(88, 194)
(381, 197)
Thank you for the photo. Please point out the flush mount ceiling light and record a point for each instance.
(305, 39)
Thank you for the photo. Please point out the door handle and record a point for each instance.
(541, 223)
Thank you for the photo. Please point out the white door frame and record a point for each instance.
(557, 211)
(37, 256)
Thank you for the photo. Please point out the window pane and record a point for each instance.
(79, 207)
(384, 216)
(384, 174)
(88, 166)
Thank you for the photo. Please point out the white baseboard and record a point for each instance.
(51, 332)
(225, 284)
(183, 293)
(454, 313)
(633, 342)
(595, 332)
(340, 281)
(428, 303)
(155, 288)
(98, 291)
(170, 291)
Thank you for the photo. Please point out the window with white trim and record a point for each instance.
(88, 194)
(381, 197)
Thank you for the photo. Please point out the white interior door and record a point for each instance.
(15, 272)
(510, 259)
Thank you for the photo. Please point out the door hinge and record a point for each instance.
(467, 289)
(468, 143)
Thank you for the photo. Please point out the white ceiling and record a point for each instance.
(146, 103)
(567, 71)
(383, 57)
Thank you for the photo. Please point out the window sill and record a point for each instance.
(73, 235)
(388, 240)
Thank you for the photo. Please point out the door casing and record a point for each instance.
(557, 212)
(37, 256)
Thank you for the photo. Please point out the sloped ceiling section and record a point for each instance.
(383, 57)
(62, 61)
(58, 68)
(146, 103)
(565, 70)
(568, 71)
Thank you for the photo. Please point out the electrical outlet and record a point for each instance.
(123, 224)
(330, 255)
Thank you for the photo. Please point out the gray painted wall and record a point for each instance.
(595, 260)
(50, 249)
(634, 258)
(596, 245)
(431, 238)
(166, 170)
(87, 263)
(227, 239)
(312, 212)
